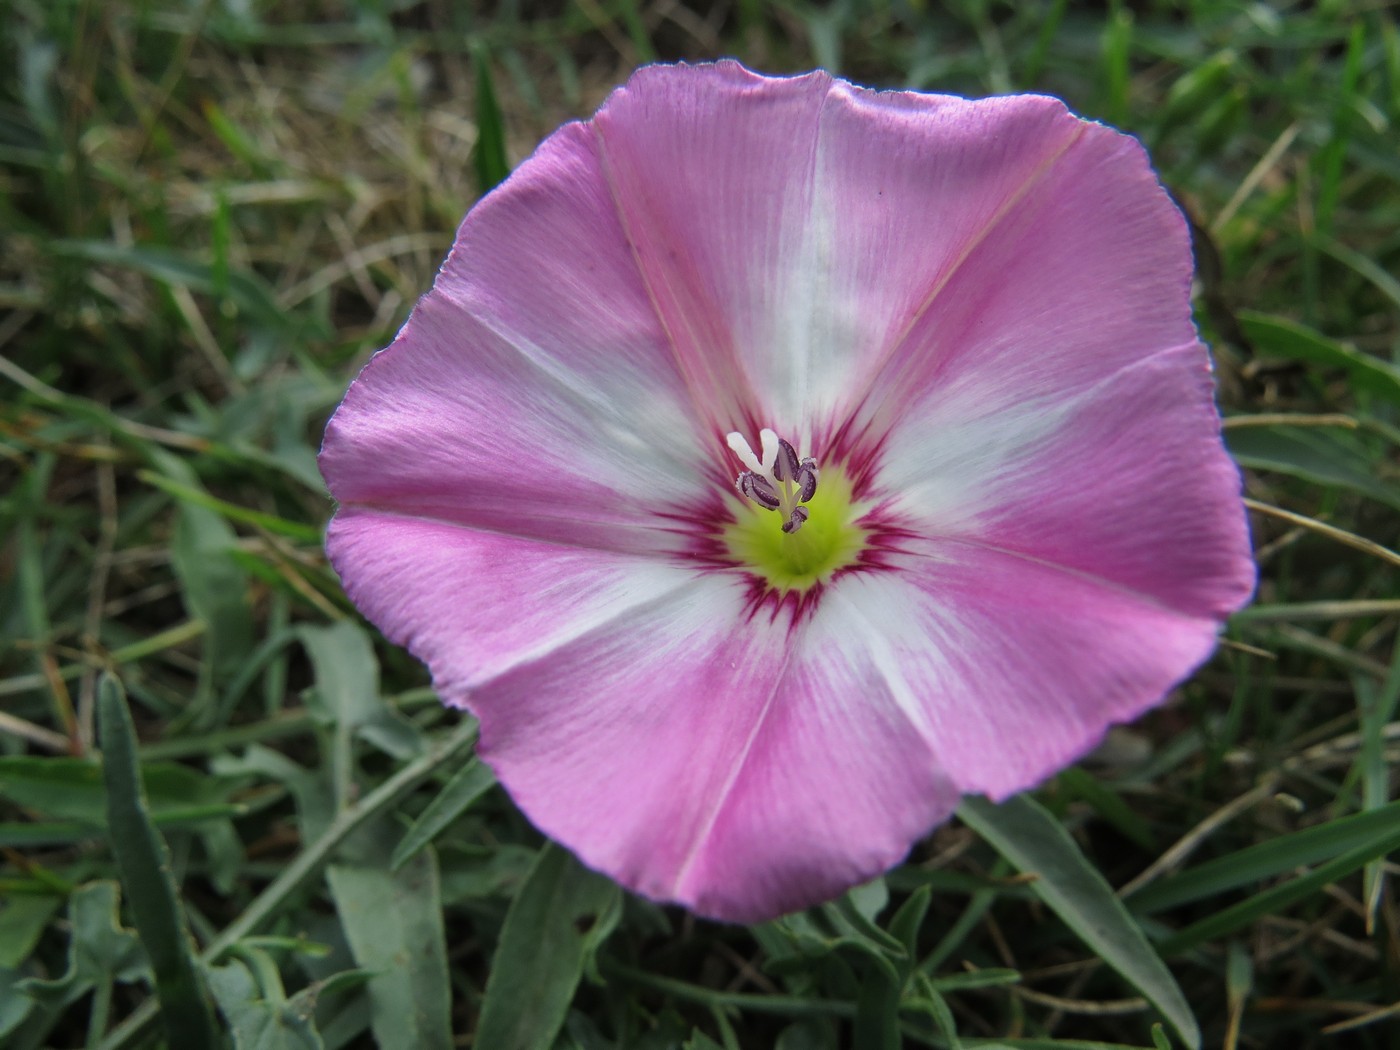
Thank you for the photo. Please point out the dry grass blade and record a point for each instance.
(1361, 543)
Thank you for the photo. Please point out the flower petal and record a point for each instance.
(981, 306)
(711, 171)
(1127, 482)
(795, 232)
(741, 767)
(471, 604)
(533, 389)
(1069, 266)
(1008, 668)
(908, 190)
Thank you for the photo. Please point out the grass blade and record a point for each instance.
(492, 166)
(1035, 842)
(1281, 337)
(466, 786)
(144, 865)
(1275, 900)
(1377, 708)
(310, 861)
(1267, 859)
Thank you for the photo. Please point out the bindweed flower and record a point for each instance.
(775, 461)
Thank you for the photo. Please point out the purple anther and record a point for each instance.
(806, 481)
(794, 522)
(786, 466)
(758, 488)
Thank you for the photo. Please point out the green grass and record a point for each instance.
(213, 211)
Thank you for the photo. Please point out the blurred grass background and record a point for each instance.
(213, 211)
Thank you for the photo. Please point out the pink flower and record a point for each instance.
(971, 322)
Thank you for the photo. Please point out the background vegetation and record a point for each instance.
(214, 210)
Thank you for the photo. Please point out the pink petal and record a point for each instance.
(472, 604)
(711, 170)
(798, 236)
(1009, 668)
(1068, 264)
(533, 389)
(1126, 482)
(741, 767)
(639, 716)
(745, 766)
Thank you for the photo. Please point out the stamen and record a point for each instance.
(779, 481)
(785, 469)
(799, 515)
(757, 488)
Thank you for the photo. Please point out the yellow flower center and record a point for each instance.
(828, 540)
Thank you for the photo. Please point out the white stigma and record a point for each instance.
(779, 481)
(745, 454)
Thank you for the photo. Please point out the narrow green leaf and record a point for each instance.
(393, 922)
(1266, 860)
(1035, 842)
(1117, 47)
(144, 865)
(492, 166)
(310, 860)
(1331, 157)
(199, 498)
(876, 1024)
(73, 788)
(57, 833)
(977, 906)
(244, 288)
(1312, 454)
(904, 927)
(542, 952)
(936, 1007)
(1275, 900)
(992, 977)
(466, 786)
(1377, 708)
(637, 31)
(851, 917)
(1109, 805)
(1239, 975)
(23, 917)
(1280, 337)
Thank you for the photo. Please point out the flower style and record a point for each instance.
(989, 515)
